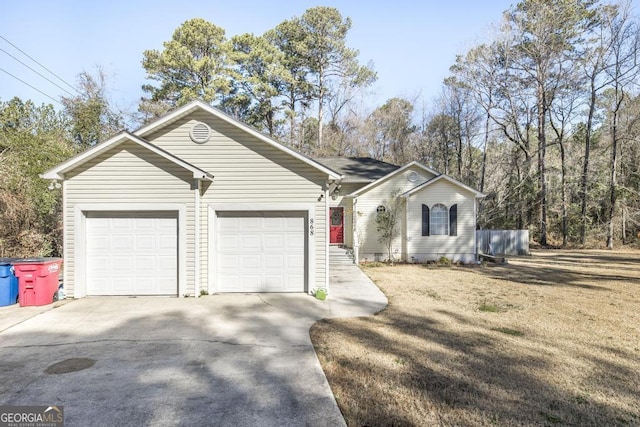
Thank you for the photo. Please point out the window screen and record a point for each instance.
(439, 220)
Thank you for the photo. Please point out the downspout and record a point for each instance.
(326, 239)
(354, 231)
(475, 226)
(65, 242)
(405, 237)
(196, 243)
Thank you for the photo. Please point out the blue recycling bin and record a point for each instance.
(8, 283)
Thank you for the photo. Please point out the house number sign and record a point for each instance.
(311, 227)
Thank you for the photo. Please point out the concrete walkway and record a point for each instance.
(230, 359)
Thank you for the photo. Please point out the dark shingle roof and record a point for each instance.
(358, 169)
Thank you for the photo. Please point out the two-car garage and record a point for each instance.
(137, 252)
(191, 203)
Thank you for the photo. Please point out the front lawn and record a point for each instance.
(551, 339)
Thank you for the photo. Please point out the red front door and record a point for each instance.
(336, 225)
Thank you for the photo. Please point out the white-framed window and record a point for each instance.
(439, 220)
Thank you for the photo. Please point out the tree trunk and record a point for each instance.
(624, 225)
(484, 152)
(565, 222)
(459, 149)
(320, 104)
(585, 166)
(292, 120)
(542, 151)
(470, 164)
(613, 174)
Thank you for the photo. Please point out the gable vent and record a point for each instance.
(200, 133)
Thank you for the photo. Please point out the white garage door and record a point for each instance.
(261, 251)
(132, 253)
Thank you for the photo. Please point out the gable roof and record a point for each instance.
(192, 106)
(392, 174)
(358, 169)
(59, 171)
(440, 178)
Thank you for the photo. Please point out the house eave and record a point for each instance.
(453, 181)
(391, 174)
(58, 172)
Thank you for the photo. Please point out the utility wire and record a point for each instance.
(31, 58)
(32, 87)
(38, 73)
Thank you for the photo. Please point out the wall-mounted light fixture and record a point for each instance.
(54, 184)
(336, 192)
(321, 197)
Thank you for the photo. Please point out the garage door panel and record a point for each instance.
(249, 224)
(132, 253)
(122, 225)
(100, 285)
(274, 241)
(99, 242)
(122, 285)
(121, 242)
(166, 263)
(250, 242)
(295, 262)
(145, 285)
(228, 262)
(167, 242)
(275, 283)
(144, 242)
(228, 243)
(274, 261)
(250, 281)
(274, 224)
(261, 251)
(294, 242)
(250, 262)
(145, 264)
(142, 224)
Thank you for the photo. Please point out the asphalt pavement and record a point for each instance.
(223, 360)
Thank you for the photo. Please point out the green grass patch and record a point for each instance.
(552, 418)
(373, 264)
(489, 307)
(509, 331)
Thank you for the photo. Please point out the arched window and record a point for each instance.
(439, 220)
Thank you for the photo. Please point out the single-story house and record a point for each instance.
(437, 213)
(197, 202)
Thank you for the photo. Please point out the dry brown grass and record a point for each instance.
(551, 339)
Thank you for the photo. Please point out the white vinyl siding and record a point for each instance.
(246, 171)
(425, 248)
(365, 212)
(126, 174)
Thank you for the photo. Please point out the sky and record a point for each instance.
(411, 43)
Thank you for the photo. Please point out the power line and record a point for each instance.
(34, 60)
(32, 87)
(38, 73)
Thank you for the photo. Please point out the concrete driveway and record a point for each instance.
(241, 360)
